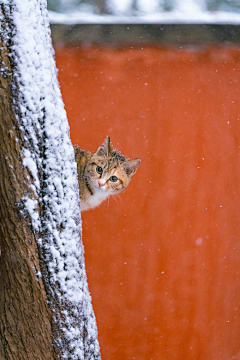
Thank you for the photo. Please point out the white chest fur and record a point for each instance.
(94, 200)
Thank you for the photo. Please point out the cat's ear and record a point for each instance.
(105, 148)
(130, 166)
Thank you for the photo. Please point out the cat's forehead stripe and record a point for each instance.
(118, 156)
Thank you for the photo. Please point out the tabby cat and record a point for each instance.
(101, 174)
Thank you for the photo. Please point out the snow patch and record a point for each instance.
(31, 206)
(178, 16)
(31, 164)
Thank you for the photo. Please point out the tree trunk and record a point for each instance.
(46, 310)
(25, 331)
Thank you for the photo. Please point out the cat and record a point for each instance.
(101, 174)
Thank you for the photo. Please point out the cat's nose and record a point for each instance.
(101, 182)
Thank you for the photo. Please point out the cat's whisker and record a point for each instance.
(117, 198)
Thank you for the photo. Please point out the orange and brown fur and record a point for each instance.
(101, 174)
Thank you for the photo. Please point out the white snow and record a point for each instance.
(180, 15)
(31, 206)
(117, 6)
(48, 150)
(199, 241)
(149, 6)
(31, 164)
(190, 6)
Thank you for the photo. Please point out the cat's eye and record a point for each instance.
(113, 178)
(99, 169)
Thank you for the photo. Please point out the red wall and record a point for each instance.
(163, 258)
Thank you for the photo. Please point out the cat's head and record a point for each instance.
(108, 170)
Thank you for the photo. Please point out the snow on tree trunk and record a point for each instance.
(51, 201)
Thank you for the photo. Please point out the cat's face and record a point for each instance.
(108, 171)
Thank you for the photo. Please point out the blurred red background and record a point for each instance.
(163, 258)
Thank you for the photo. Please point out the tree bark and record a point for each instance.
(46, 310)
(25, 330)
